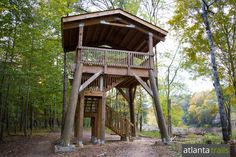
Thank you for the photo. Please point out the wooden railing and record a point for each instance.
(110, 82)
(111, 57)
(120, 125)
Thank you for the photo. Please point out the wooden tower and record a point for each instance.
(114, 49)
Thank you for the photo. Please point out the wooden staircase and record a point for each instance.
(117, 123)
(114, 121)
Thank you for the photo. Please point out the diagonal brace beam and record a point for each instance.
(90, 80)
(123, 94)
(143, 84)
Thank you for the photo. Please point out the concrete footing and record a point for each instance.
(63, 149)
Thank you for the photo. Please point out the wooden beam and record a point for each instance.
(90, 22)
(144, 85)
(93, 93)
(117, 24)
(140, 45)
(123, 94)
(90, 80)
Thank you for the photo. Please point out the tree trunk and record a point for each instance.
(169, 118)
(223, 117)
(141, 123)
(45, 119)
(54, 114)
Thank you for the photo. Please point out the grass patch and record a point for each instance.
(152, 134)
(233, 134)
(213, 138)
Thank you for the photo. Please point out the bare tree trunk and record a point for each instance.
(141, 123)
(169, 118)
(223, 117)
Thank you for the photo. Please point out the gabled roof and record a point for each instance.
(116, 28)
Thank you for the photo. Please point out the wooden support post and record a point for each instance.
(98, 121)
(93, 130)
(76, 127)
(103, 111)
(80, 37)
(105, 62)
(70, 114)
(160, 117)
(132, 114)
(96, 129)
(81, 120)
(129, 57)
(64, 92)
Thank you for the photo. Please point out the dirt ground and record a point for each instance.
(42, 146)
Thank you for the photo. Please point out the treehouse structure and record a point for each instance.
(114, 49)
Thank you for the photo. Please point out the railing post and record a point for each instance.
(129, 63)
(150, 45)
(105, 62)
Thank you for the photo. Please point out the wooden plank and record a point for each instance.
(144, 85)
(89, 22)
(90, 80)
(109, 33)
(96, 33)
(103, 32)
(140, 45)
(122, 71)
(132, 42)
(123, 94)
(117, 24)
(128, 37)
(93, 93)
(122, 33)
